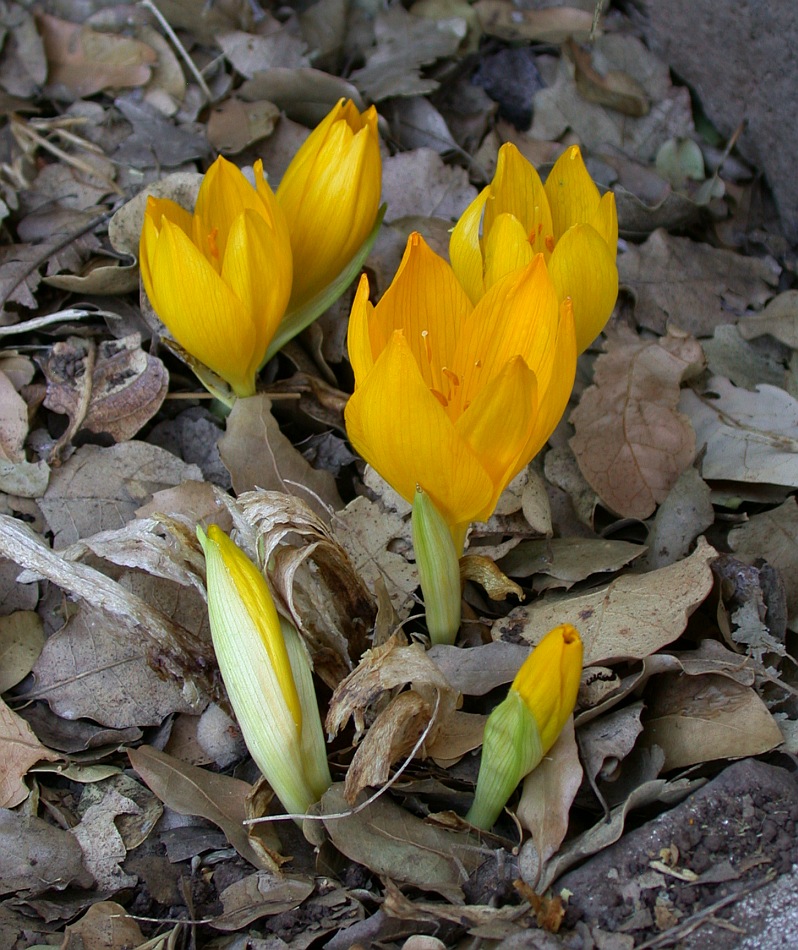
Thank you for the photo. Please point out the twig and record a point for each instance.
(183, 53)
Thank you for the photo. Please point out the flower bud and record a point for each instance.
(267, 674)
(522, 728)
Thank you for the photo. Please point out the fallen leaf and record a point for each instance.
(101, 843)
(631, 442)
(105, 924)
(686, 513)
(568, 560)
(21, 641)
(745, 436)
(690, 285)
(728, 354)
(13, 422)
(418, 183)
(696, 719)
(86, 62)
(252, 53)
(391, 842)
(155, 141)
(258, 455)
(779, 319)
(305, 95)
(98, 489)
(21, 750)
(480, 669)
(262, 894)
(416, 123)
(458, 734)
(234, 124)
(505, 20)
(546, 798)
(633, 617)
(219, 798)
(36, 855)
(606, 741)
(615, 89)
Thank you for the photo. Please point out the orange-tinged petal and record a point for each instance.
(498, 424)
(258, 272)
(506, 249)
(573, 197)
(200, 310)
(553, 395)
(361, 325)
(517, 190)
(583, 268)
(518, 316)
(400, 429)
(465, 249)
(425, 301)
(548, 681)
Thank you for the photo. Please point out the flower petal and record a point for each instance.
(465, 250)
(605, 221)
(401, 429)
(223, 195)
(518, 316)
(582, 267)
(573, 197)
(506, 248)
(517, 190)
(498, 424)
(158, 208)
(200, 311)
(425, 301)
(358, 339)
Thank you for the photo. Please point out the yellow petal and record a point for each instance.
(605, 221)
(518, 316)
(549, 679)
(583, 268)
(361, 325)
(200, 310)
(517, 190)
(573, 197)
(465, 250)
(258, 272)
(555, 391)
(158, 208)
(425, 301)
(223, 195)
(506, 249)
(401, 429)
(498, 424)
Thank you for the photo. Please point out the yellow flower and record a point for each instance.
(220, 278)
(525, 725)
(330, 194)
(267, 674)
(453, 398)
(566, 220)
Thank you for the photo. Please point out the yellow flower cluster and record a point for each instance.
(246, 263)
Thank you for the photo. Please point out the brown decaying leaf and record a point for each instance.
(547, 795)
(262, 894)
(616, 89)
(114, 388)
(86, 61)
(504, 20)
(779, 319)
(21, 641)
(21, 750)
(631, 442)
(693, 286)
(633, 617)
(13, 422)
(36, 855)
(105, 924)
(696, 719)
(235, 124)
(219, 798)
(101, 843)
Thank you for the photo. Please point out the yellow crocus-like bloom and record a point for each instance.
(516, 217)
(456, 398)
(220, 278)
(267, 674)
(330, 195)
(525, 725)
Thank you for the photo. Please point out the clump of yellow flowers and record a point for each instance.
(525, 725)
(247, 270)
(267, 674)
(462, 372)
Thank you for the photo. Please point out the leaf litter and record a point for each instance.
(660, 522)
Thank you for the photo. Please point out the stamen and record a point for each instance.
(440, 397)
(453, 378)
(427, 344)
(550, 243)
(477, 364)
(213, 247)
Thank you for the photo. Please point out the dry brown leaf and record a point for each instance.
(101, 843)
(505, 20)
(219, 798)
(693, 286)
(685, 513)
(633, 617)
(21, 641)
(13, 422)
(458, 734)
(100, 488)
(546, 798)
(259, 456)
(696, 719)
(262, 894)
(779, 319)
(105, 924)
(86, 61)
(478, 670)
(418, 183)
(21, 750)
(251, 53)
(614, 89)
(235, 123)
(305, 95)
(631, 442)
(606, 741)
(36, 855)
(113, 388)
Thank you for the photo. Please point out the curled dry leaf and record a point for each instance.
(311, 576)
(262, 894)
(101, 843)
(113, 388)
(605, 742)
(696, 719)
(631, 442)
(633, 617)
